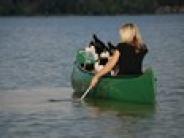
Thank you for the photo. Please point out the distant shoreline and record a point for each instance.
(162, 10)
(83, 15)
(89, 7)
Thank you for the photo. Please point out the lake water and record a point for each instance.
(36, 57)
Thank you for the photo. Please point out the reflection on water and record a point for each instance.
(129, 109)
(122, 108)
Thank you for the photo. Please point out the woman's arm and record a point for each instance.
(107, 68)
(110, 64)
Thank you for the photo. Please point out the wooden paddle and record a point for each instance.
(86, 92)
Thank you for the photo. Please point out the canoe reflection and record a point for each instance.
(101, 105)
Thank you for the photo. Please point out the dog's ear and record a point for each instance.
(95, 38)
(98, 41)
(111, 46)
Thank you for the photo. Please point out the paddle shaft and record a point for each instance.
(86, 92)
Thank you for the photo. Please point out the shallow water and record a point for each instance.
(36, 57)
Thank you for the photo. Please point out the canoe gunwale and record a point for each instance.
(109, 76)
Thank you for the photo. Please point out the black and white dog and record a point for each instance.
(101, 53)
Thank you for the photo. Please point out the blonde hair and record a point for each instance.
(130, 33)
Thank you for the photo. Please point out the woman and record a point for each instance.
(128, 55)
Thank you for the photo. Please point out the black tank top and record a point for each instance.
(131, 58)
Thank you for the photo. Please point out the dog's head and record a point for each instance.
(98, 44)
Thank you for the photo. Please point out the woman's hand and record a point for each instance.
(94, 81)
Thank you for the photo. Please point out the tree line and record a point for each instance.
(83, 7)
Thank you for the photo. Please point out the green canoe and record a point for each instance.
(126, 88)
